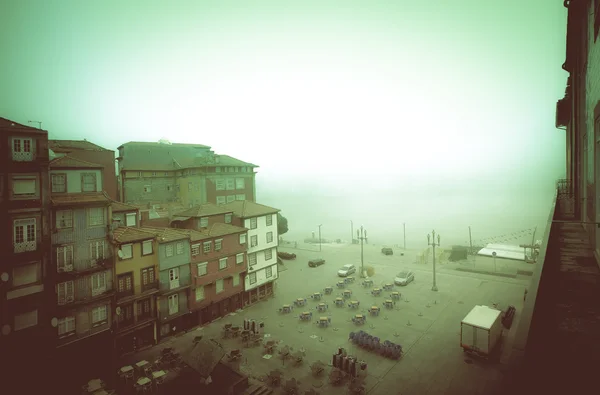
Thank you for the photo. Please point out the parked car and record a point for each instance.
(346, 270)
(316, 262)
(286, 255)
(404, 277)
(387, 251)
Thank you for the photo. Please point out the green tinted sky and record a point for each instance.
(465, 86)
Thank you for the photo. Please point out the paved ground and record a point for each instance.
(425, 323)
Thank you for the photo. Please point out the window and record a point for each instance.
(169, 250)
(252, 278)
(220, 184)
(231, 169)
(147, 188)
(26, 274)
(204, 222)
(268, 254)
(26, 320)
(153, 174)
(240, 197)
(230, 198)
(126, 251)
(230, 184)
(179, 246)
(243, 238)
(125, 282)
(24, 233)
(269, 272)
(190, 186)
(139, 174)
(199, 293)
(218, 244)
(66, 326)
(144, 308)
(24, 186)
(98, 283)
(207, 246)
(64, 219)
(174, 278)
(202, 269)
(96, 216)
(253, 241)
(252, 259)
(148, 277)
(236, 280)
(195, 249)
(166, 174)
(64, 258)
(22, 150)
(219, 285)
(59, 183)
(173, 302)
(253, 224)
(169, 187)
(130, 219)
(126, 315)
(269, 237)
(218, 169)
(147, 247)
(221, 200)
(97, 250)
(269, 219)
(240, 183)
(228, 218)
(99, 315)
(88, 182)
(222, 263)
(239, 259)
(65, 292)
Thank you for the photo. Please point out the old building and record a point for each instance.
(262, 241)
(173, 249)
(90, 152)
(125, 214)
(136, 271)
(26, 275)
(185, 174)
(202, 217)
(82, 260)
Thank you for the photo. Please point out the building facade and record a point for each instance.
(26, 275)
(90, 152)
(262, 241)
(136, 272)
(174, 277)
(182, 174)
(125, 214)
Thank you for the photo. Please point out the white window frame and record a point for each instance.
(218, 244)
(174, 278)
(98, 283)
(268, 254)
(86, 186)
(243, 238)
(220, 184)
(219, 286)
(252, 259)
(230, 184)
(195, 249)
(64, 258)
(129, 216)
(253, 241)
(269, 237)
(126, 251)
(22, 152)
(173, 304)
(147, 247)
(95, 217)
(66, 326)
(253, 223)
(228, 218)
(223, 263)
(207, 247)
(98, 249)
(65, 292)
(199, 292)
(252, 278)
(230, 198)
(240, 197)
(169, 250)
(99, 315)
(179, 248)
(31, 316)
(239, 259)
(202, 269)
(269, 272)
(62, 185)
(269, 219)
(240, 183)
(203, 222)
(64, 219)
(147, 188)
(221, 200)
(17, 180)
(29, 242)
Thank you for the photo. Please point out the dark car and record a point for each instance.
(387, 251)
(316, 262)
(286, 255)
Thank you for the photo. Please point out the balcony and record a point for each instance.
(139, 291)
(18, 156)
(563, 112)
(25, 246)
(90, 267)
(84, 296)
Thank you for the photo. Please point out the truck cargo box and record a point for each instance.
(481, 330)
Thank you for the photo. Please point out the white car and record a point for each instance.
(404, 278)
(346, 270)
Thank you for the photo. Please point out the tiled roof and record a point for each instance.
(67, 162)
(8, 124)
(203, 356)
(165, 235)
(80, 199)
(215, 230)
(152, 144)
(226, 160)
(126, 234)
(203, 210)
(69, 145)
(248, 209)
(118, 207)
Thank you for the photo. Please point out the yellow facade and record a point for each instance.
(136, 263)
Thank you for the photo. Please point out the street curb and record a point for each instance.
(461, 269)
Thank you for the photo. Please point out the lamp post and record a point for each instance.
(351, 232)
(361, 234)
(320, 237)
(432, 243)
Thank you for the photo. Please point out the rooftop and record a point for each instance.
(203, 210)
(80, 199)
(67, 162)
(70, 145)
(118, 207)
(156, 144)
(215, 230)
(8, 124)
(165, 235)
(127, 234)
(248, 209)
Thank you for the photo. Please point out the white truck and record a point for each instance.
(481, 331)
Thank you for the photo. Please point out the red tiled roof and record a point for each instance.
(126, 234)
(248, 209)
(8, 124)
(215, 230)
(203, 210)
(80, 199)
(67, 162)
(165, 235)
(118, 207)
(70, 145)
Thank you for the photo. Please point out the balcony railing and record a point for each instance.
(25, 246)
(22, 156)
(138, 290)
(90, 265)
(84, 295)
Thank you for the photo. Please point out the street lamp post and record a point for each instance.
(320, 237)
(432, 243)
(351, 232)
(361, 234)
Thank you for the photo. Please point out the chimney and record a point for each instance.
(116, 223)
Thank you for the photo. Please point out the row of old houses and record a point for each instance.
(84, 274)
